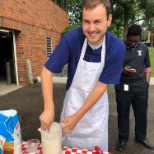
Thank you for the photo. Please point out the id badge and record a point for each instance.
(126, 87)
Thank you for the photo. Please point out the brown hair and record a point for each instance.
(90, 4)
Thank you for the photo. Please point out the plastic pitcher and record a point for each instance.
(51, 140)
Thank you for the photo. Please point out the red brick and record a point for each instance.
(35, 19)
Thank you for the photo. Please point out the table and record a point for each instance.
(65, 150)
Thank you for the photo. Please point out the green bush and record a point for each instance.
(151, 52)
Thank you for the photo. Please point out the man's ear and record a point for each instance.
(109, 20)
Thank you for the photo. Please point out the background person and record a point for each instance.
(133, 89)
(95, 59)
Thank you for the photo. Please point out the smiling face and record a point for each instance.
(95, 23)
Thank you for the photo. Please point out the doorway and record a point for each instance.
(7, 61)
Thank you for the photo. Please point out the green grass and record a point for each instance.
(151, 52)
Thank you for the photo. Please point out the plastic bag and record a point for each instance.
(10, 132)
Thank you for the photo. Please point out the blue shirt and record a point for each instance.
(69, 50)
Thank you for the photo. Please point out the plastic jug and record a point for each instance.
(51, 140)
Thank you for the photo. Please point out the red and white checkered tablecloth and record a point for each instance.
(24, 148)
(65, 150)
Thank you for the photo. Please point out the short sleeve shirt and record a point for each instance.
(69, 49)
(137, 59)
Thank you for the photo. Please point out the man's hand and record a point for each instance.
(46, 119)
(69, 124)
(128, 70)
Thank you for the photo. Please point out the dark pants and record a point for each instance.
(137, 95)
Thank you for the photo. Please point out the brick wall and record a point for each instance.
(35, 19)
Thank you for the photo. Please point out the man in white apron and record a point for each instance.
(95, 59)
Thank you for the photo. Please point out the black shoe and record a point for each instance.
(146, 143)
(121, 145)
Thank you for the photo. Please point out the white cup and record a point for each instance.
(32, 146)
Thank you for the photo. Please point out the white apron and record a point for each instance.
(92, 129)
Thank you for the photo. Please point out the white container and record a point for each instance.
(51, 140)
(32, 146)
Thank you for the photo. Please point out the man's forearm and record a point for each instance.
(92, 99)
(47, 88)
(147, 77)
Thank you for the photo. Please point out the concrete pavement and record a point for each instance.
(5, 89)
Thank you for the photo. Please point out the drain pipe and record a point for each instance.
(29, 71)
(8, 73)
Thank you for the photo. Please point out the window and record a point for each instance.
(62, 3)
(49, 46)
